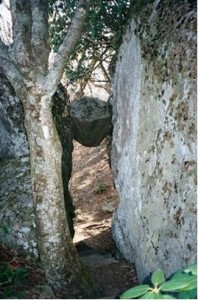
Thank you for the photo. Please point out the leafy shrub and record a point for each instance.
(4, 229)
(181, 285)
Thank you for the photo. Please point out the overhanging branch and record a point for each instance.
(21, 23)
(40, 35)
(67, 47)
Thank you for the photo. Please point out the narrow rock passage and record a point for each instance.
(95, 199)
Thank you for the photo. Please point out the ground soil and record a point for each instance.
(94, 198)
(93, 192)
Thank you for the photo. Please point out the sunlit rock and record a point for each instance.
(154, 138)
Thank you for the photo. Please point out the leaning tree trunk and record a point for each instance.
(35, 79)
(59, 257)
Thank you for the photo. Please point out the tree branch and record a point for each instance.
(40, 35)
(67, 47)
(21, 22)
(5, 23)
(105, 73)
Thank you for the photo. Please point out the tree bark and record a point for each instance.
(35, 85)
(63, 268)
(67, 47)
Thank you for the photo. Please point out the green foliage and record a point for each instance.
(157, 277)
(102, 35)
(138, 5)
(181, 285)
(11, 274)
(10, 277)
(5, 229)
(135, 292)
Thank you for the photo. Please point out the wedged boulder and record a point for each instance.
(91, 120)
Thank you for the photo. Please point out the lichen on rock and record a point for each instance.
(16, 205)
(154, 138)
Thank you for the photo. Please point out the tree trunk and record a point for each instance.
(58, 255)
(35, 79)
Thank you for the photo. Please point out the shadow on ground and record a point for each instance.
(106, 264)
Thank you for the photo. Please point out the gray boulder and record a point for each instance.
(17, 217)
(12, 133)
(91, 120)
(154, 138)
(16, 204)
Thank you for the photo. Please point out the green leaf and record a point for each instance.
(183, 277)
(20, 274)
(180, 275)
(173, 285)
(5, 229)
(165, 296)
(190, 280)
(192, 294)
(192, 284)
(191, 269)
(8, 292)
(152, 295)
(158, 277)
(6, 274)
(135, 292)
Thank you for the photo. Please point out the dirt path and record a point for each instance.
(95, 199)
(93, 194)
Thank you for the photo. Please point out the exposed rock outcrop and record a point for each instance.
(12, 134)
(16, 203)
(154, 138)
(91, 120)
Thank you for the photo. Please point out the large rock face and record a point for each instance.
(154, 138)
(16, 203)
(12, 133)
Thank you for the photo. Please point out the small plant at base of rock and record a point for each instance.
(181, 285)
(4, 229)
(12, 274)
